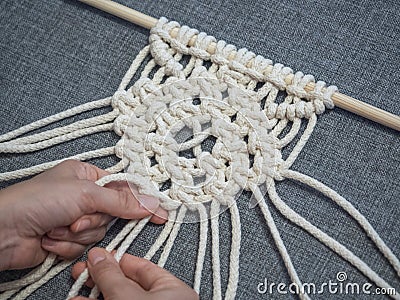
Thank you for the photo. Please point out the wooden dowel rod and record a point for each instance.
(340, 100)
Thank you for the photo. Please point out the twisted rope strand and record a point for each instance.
(33, 276)
(202, 246)
(277, 238)
(54, 118)
(49, 134)
(351, 210)
(42, 167)
(216, 269)
(235, 252)
(331, 243)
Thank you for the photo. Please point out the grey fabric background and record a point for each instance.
(57, 54)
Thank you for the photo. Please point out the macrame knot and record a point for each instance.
(120, 124)
(143, 87)
(298, 84)
(278, 75)
(222, 53)
(201, 45)
(323, 94)
(181, 41)
(117, 98)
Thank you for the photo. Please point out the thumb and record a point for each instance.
(107, 274)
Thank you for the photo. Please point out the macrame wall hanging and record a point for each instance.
(184, 87)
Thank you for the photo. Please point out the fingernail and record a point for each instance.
(83, 225)
(162, 213)
(58, 231)
(48, 242)
(148, 202)
(96, 255)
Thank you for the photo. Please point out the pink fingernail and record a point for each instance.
(148, 202)
(96, 255)
(83, 225)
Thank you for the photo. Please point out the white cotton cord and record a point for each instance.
(42, 167)
(134, 67)
(278, 128)
(351, 210)
(49, 134)
(128, 228)
(171, 239)
(26, 292)
(80, 281)
(11, 148)
(216, 269)
(301, 143)
(148, 68)
(54, 118)
(122, 249)
(112, 177)
(201, 252)
(7, 295)
(33, 276)
(150, 112)
(337, 247)
(118, 167)
(46, 276)
(162, 237)
(130, 238)
(277, 238)
(233, 279)
(292, 133)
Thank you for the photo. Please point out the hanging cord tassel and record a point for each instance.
(172, 236)
(214, 214)
(277, 238)
(235, 253)
(162, 236)
(337, 247)
(202, 246)
(351, 210)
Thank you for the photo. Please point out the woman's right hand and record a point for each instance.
(133, 278)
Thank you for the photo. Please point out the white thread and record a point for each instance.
(171, 239)
(163, 235)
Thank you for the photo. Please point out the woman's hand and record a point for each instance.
(133, 278)
(62, 211)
